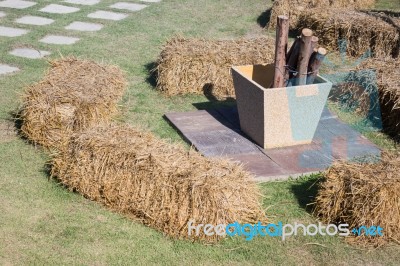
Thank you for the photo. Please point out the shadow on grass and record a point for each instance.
(264, 18)
(16, 118)
(152, 74)
(305, 190)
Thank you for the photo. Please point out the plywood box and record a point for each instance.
(277, 117)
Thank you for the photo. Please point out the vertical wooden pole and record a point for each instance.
(314, 44)
(291, 59)
(304, 56)
(315, 63)
(282, 31)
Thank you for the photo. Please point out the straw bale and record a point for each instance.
(353, 31)
(361, 194)
(383, 73)
(188, 65)
(73, 95)
(164, 185)
(295, 8)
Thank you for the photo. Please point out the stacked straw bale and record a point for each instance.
(363, 195)
(385, 74)
(361, 31)
(73, 95)
(294, 8)
(203, 66)
(162, 184)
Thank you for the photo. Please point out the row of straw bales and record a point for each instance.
(199, 66)
(294, 8)
(129, 170)
(355, 32)
(383, 73)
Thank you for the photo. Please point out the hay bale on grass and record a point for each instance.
(363, 195)
(362, 32)
(385, 73)
(73, 95)
(199, 65)
(295, 8)
(162, 184)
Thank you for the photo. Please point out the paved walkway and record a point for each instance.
(116, 11)
(216, 133)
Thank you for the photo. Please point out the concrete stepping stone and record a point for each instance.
(57, 39)
(29, 53)
(59, 9)
(84, 26)
(6, 69)
(33, 20)
(2, 14)
(18, 4)
(83, 2)
(107, 15)
(128, 6)
(12, 32)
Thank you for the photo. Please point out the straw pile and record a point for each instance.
(294, 8)
(363, 195)
(199, 66)
(384, 73)
(162, 184)
(73, 95)
(362, 32)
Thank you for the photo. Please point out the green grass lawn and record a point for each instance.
(43, 223)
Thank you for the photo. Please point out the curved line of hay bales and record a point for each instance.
(199, 66)
(164, 185)
(73, 95)
(128, 170)
(294, 8)
(362, 195)
(386, 73)
(361, 31)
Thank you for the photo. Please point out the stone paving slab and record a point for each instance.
(217, 133)
(17, 4)
(58, 39)
(100, 14)
(84, 26)
(6, 69)
(59, 9)
(34, 20)
(12, 32)
(2, 14)
(128, 6)
(83, 2)
(29, 53)
(259, 164)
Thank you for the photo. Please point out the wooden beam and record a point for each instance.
(282, 31)
(315, 63)
(291, 60)
(304, 56)
(314, 44)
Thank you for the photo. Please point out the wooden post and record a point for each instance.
(304, 56)
(314, 44)
(282, 31)
(291, 59)
(292, 48)
(315, 63)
